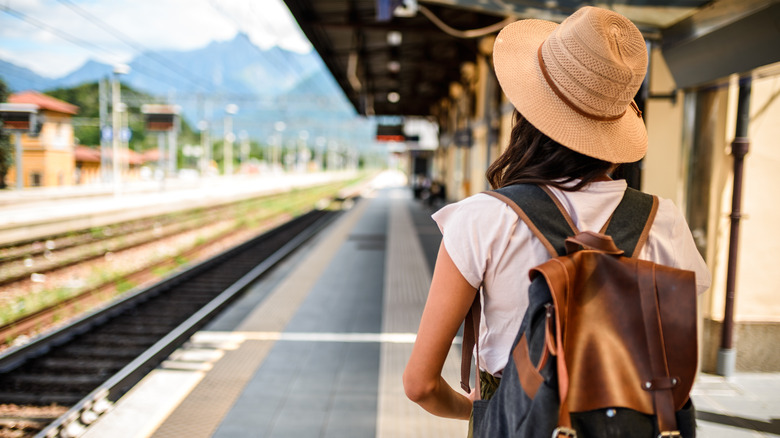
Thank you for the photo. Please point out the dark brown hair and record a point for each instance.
(534, 158)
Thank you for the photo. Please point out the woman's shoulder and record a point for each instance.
(476, 205)
(672, 242)
(668, 216)
(481, 213)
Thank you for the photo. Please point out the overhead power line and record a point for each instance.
(143, 51)
(64, 35)
(79, 42)
(283, 69)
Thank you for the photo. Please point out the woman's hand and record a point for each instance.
(449, 299)
(472, 396)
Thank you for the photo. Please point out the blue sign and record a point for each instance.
(107, 134)
(125, 134)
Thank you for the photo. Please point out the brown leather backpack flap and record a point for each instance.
(676, 290)
(604, 342)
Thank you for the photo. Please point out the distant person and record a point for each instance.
(438, 194)
(572, 86)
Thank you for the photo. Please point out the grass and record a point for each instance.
(162, 271)
(33, 302)
(123, 285)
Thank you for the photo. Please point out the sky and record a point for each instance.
(55, 37)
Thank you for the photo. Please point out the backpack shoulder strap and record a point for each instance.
(542, 213)
(630, 224)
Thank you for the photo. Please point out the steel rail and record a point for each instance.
(99, 400)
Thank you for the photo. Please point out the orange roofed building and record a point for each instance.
(48, 157)
(88, 164)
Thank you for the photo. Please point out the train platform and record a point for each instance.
(40, 212)
(316, 348)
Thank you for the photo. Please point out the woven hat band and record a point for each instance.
(568, 102)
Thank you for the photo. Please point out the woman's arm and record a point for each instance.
(449, 299)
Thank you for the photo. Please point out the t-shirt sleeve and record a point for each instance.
(679, 250)
(475, 231)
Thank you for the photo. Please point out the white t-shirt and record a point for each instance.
(494, 249)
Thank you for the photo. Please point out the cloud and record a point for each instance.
(150, 24)
(268, 23)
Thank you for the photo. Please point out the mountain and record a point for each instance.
(229, 67)
(90, 72)
(268, 85)
(20, 78)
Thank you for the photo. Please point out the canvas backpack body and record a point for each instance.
(607, 346)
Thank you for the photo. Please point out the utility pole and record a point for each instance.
(104, 130)
(162, 166)
(205, 144)
(116, 121)
(244, 149)
(173, 139)
(227, 145)
(276, 153)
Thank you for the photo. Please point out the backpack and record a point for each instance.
(607, 346)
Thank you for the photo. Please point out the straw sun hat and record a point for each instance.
(576, 81)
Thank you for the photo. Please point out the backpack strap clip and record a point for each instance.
(592, 241)
(565, 432)
(672, 434)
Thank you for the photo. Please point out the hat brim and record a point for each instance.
(517, 67)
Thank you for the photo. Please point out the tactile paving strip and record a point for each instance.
(203, 410)
(407, 280)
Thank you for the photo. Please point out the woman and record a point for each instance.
(572, 87)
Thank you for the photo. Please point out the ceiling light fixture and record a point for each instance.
(394, 38)
(393, 66)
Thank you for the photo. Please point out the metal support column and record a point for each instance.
(116, 127)
(104, 128)
(727, 356)
(18, 161)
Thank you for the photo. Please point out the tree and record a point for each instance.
(6, 150)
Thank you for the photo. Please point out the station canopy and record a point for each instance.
(394, 57)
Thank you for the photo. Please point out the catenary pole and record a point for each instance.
(18, 151)
(116, 122)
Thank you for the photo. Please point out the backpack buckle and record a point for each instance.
(565, 432)
(671, 434)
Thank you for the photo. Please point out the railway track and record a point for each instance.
(90, 363)
(21, 260)
(88, 267)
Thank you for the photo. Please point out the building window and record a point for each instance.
(35, 179)
(60, 136)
